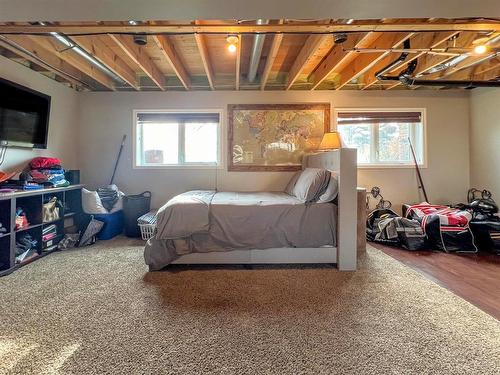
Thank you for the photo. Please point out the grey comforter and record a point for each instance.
(204, 221)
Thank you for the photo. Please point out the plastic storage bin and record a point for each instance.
(113, 225)
(134, 206)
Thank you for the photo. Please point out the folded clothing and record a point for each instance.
(47, 171)
(43, 162)
(109, 196)
(54, 177)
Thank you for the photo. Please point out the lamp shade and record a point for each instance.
(330, 141)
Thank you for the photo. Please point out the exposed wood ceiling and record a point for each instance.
(296, 54)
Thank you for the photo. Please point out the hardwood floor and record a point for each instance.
(474, 277)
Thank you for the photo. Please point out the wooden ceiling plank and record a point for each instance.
(364, 62)
(238, 63)
(428, 62)
(167, 48)
(97, 48)
(74, 60)
(273, 52)
(47, 59)
(205, 58)
(338, 57)
(369, 77)
(138, 54)
(421, 40)
(305, 28)
(485, 70)
(305, 54)
(488, 75)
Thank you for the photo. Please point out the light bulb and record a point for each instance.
(480, 49)
(232, 40)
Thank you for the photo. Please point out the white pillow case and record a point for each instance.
(310, 184)
(331, 191)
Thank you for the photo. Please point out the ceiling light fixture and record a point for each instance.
(480, 49)
(339, 38)
(232, 41)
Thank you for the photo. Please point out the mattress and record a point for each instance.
(206, 221)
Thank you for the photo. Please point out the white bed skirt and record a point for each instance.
(268, 256)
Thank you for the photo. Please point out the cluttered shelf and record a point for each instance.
(10, 193)
(42, 212)
(28, 227)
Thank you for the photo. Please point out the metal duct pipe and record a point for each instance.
(258, 43)
(70, 44)
(42, 63)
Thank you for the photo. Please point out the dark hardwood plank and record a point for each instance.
(474, 277)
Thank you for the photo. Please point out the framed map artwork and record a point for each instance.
(273, 137)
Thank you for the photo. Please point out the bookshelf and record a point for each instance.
(31, 202)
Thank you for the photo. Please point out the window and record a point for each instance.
(177, 139)
(382, 137)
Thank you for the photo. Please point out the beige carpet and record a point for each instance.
(97, 311)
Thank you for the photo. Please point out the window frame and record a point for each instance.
(220, 140)
(423, 111)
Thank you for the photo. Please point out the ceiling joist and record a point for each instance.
(418, 41)
(306, 53)
(364, 62)
(141, 58)
(96, 47)
(205, 58)
(107, 54)
(339, 57)
(271, 57)
(304, 28)
(168, 50)
(238, 63)
(27, 50)
(51, 45)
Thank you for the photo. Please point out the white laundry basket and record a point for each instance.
(147, 224)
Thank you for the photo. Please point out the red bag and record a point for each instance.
(41, 162)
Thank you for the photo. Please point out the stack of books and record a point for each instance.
(49, 233)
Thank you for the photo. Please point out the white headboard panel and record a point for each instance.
(326, 160)
(344, 162)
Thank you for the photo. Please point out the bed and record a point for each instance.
(209, 227)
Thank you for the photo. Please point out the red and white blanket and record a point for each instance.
(448, 217)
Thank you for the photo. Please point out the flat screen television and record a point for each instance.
(24, 116)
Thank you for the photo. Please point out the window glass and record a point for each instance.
(383, 138)
(164, 138)
(357, 136)
(201, 142)
(160, 143)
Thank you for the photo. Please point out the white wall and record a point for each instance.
(105, 117)
(63, 121)
(120, 10)
(485, 140)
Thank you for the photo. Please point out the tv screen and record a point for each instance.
(24, 116)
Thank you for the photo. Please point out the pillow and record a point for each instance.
(310, 183)
(331, 190)
(91, 203)
(291, 183)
